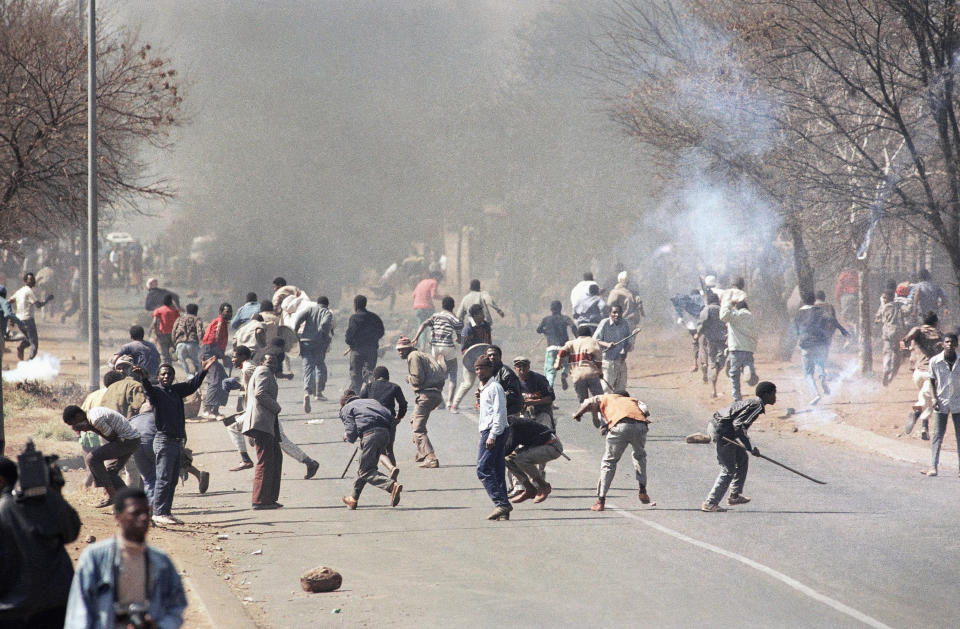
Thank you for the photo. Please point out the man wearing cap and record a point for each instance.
(491, 463)
(538, 396)
(613, 335)
(626, 421)
(426, 376)
(370, 421)
(733, 422)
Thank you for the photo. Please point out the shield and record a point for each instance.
(474, 352)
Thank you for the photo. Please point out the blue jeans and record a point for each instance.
(143, 456)
(167, 451)
(492, 468)
(740, 361)
(813, 359)
(189, 352)
(314, 367)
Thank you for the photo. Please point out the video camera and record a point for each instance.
(131, 614)
(38, 473)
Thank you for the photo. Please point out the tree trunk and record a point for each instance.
(865, 321)
(801, 258)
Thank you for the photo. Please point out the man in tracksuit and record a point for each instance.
(733, 422)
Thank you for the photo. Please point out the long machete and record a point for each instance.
(740, 445)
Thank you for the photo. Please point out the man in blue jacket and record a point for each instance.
(369, 421)
(122, 576)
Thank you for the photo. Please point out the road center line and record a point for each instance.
(790, 581)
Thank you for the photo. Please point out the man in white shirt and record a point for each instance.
(945, 377)
(26, 300)
(491, 461)
(122, 440)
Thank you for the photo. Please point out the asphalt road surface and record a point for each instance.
(877, 546)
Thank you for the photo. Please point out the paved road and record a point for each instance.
(876, 546)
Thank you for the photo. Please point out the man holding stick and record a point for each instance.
(613, 335)
(730, 424)
(369, 421)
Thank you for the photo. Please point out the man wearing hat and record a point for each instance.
(538, 395)
(426, 376)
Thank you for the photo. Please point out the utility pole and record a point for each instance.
(93, 288)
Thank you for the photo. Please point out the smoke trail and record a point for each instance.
(43, 368)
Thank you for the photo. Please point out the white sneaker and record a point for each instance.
(165, 520)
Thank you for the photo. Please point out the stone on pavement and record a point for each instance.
(321, 580)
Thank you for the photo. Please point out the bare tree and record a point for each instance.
(43, 118)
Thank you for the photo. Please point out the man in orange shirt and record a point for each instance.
(626, 423)
(163, 319)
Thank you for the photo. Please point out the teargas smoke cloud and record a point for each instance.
(327, 138)
(43, 368)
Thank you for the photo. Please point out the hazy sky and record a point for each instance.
(323, 129)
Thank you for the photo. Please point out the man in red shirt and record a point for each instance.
(214, 343)
(163, 320)
(423, 295)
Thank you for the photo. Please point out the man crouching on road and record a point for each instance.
(733, 422)
(491, 462)
(627, 421)
(370, 421)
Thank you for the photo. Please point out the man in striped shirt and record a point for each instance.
(445, 330)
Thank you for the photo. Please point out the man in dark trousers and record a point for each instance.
(392, 398)
(426, 377)
(491, 463)
(261, 422)
(814, 328)
(364, 331)
(167, 402)
(530, 446)
(369, 421)
(509, 381)
(733, 422)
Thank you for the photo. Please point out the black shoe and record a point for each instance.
(272, 505)
(204, 482)
(312, 467)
